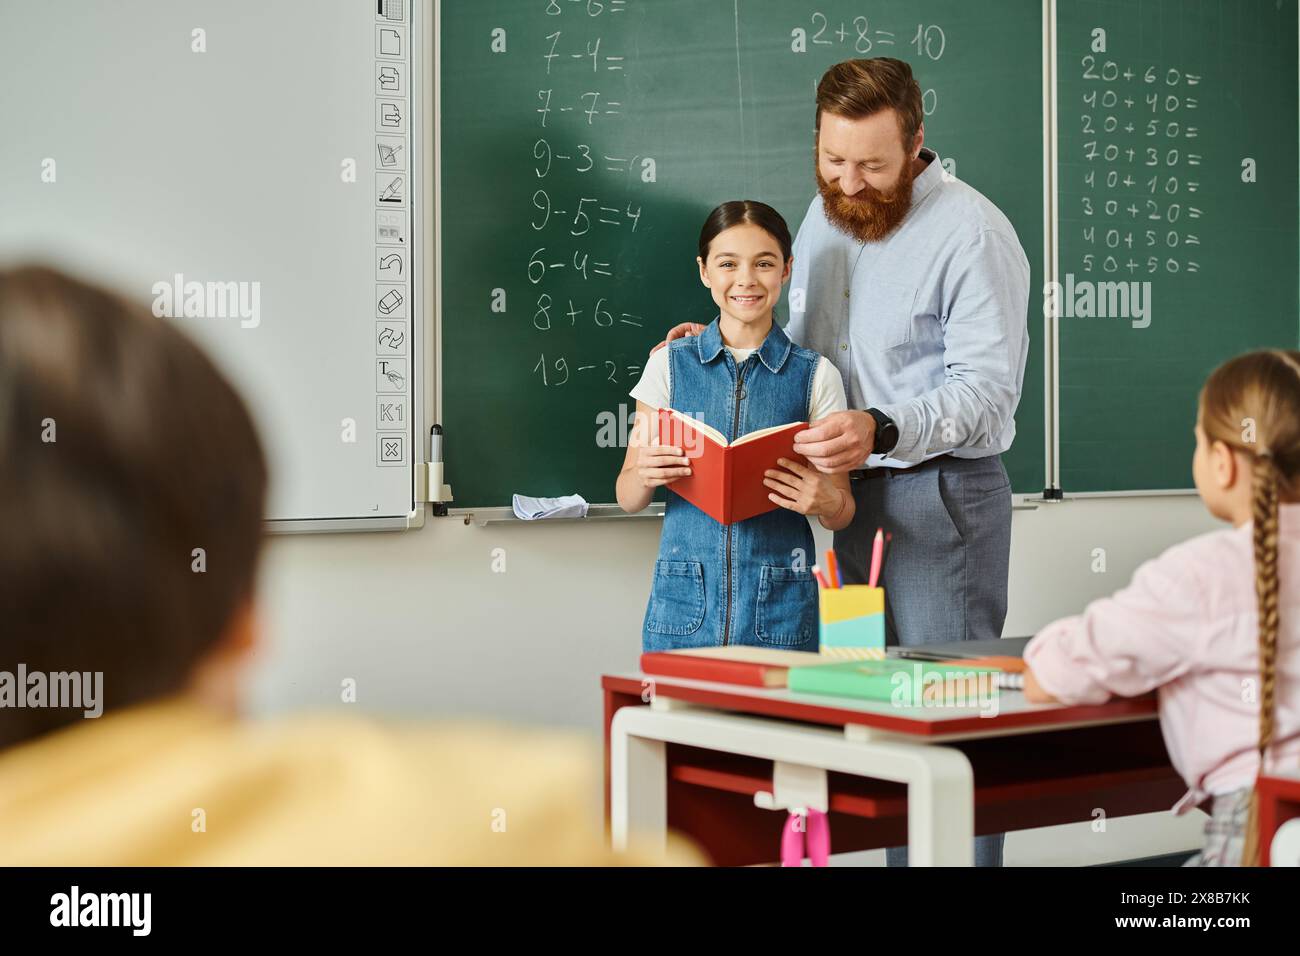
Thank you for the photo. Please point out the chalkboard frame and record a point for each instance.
(604, 509)
(1053, 419)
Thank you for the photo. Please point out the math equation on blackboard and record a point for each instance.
(582, 66)
(1140, 210)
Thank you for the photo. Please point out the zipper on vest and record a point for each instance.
(735, 423)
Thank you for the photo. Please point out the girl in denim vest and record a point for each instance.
(749, 582)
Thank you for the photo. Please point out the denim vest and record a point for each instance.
(749, 582)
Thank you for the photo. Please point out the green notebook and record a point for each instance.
(902, 682)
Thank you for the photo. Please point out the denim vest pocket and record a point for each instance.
(787, 606)
(677, 598)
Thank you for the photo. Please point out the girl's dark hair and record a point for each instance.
(740, 211)
(122, 450)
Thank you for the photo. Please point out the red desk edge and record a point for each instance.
(717, 695)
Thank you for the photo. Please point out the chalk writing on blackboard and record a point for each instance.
(1142, 209)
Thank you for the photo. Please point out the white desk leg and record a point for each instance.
(638, 786)
(940, 784)
(940, 794)
(940, 809)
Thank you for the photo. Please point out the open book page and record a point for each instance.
(762, 432)
(675, 439)
(716, 436)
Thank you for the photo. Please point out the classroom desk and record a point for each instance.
(705, 758)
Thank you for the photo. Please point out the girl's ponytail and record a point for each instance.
(1259, 394)
(1264, 518)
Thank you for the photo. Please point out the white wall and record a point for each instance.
(424, 625)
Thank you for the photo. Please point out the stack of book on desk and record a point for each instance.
(811, 673)
(733, 664)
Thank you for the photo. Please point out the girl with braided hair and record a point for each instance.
(1213, 624)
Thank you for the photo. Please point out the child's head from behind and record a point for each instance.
(744, 259)
(1248, 433)
(123, 452)
(1247, 459)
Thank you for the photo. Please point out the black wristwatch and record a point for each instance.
(886, 432)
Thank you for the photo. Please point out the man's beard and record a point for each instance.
(869, 215)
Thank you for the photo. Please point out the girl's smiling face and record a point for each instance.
(745, 272)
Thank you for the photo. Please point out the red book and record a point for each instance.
(733, 664)
(726, 479)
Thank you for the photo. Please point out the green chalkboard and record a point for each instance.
(584, 142)
(1164, 107)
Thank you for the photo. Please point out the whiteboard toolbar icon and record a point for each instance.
(390, 375)
(390, 264)
(390, 412)
(390, 302)
(392, 449)
(390, 153)
(390, 78)
(390, 189)
(390, 338)
(390, 227)
(392, 11)
(390, 116)
(390, 42)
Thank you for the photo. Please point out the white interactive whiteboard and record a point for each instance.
(254, 170)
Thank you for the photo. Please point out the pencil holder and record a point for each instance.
(852, 622)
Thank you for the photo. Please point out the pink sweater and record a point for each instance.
(1186, 626)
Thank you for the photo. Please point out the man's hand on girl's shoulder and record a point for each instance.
(677, 331)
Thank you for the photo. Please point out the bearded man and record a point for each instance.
(915, 286)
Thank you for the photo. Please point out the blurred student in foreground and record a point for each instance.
(122, 451)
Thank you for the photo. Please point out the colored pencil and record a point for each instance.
(877, 552)
(832, 568)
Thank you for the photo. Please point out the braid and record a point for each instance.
(1264, 517)
(1261, 390)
